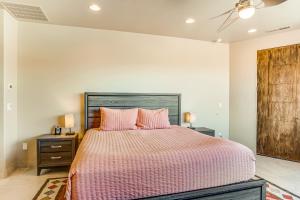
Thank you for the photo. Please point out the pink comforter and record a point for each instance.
(139, 163)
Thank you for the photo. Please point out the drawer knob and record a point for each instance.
(55, 157)
(56, 146)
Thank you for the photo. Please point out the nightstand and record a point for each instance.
(205, 131)
(55, 151)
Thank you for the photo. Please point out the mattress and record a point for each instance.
(140, 163)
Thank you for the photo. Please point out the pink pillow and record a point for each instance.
(153, 119)
(118, 119)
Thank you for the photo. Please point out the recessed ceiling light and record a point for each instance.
(219, 40)
(190, 20)
(95, 7)
(253, 30)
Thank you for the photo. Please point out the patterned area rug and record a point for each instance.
(54, 189)
(275, 192)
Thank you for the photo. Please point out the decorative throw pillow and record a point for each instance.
(153, 119)
(118, 119)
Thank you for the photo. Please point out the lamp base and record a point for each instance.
(70, 133)
(191, 127)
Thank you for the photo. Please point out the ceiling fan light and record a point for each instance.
(95, 7)
(247, 12)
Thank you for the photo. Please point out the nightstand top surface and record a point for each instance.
(52, 136)
(203, 129)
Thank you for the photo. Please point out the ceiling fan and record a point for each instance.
(245, 10)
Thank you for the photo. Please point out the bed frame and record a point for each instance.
(94, 100)
(247, 190)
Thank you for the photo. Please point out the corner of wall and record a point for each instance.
(2, 144)
(8, 93)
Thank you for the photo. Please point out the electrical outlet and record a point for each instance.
(220, 105)
(24, 146)
(9, 106)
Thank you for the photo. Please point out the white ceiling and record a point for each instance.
(167, 17)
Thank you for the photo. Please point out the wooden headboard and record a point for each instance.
(95, 100)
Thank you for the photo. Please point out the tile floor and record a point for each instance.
(23, 184)
(285, 174)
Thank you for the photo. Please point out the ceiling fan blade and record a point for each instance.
(269, 3)
(226, 20)
(222, 28)
(225, 13)
(259, 6)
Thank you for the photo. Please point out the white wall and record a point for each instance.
(8, 75)
(10, 93)
(243, 83)
(2, 142)
(57, 64)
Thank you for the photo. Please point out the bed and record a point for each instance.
(175, 163)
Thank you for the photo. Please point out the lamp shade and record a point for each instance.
(69, 121)
(189, 117)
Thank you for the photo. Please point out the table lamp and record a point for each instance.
(69, 122)
(189, 118)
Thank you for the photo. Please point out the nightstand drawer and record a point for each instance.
(58, 158)
(55, 146)
(211, 133)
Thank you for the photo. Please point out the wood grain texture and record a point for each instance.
(55, 159)
(278, 102)
(55, 151)
(55, 146)
(204, 130)
(94, 111)
(93, 102)
(248, 190)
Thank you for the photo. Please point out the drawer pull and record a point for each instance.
(55, 157)
(56, 146)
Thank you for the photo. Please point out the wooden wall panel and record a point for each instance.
(282, 92)
(282, 74)
(282, 111)
(282, 56)
(262, 95)
(278, 102)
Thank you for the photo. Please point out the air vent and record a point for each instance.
(278, 29)
(26, 12)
